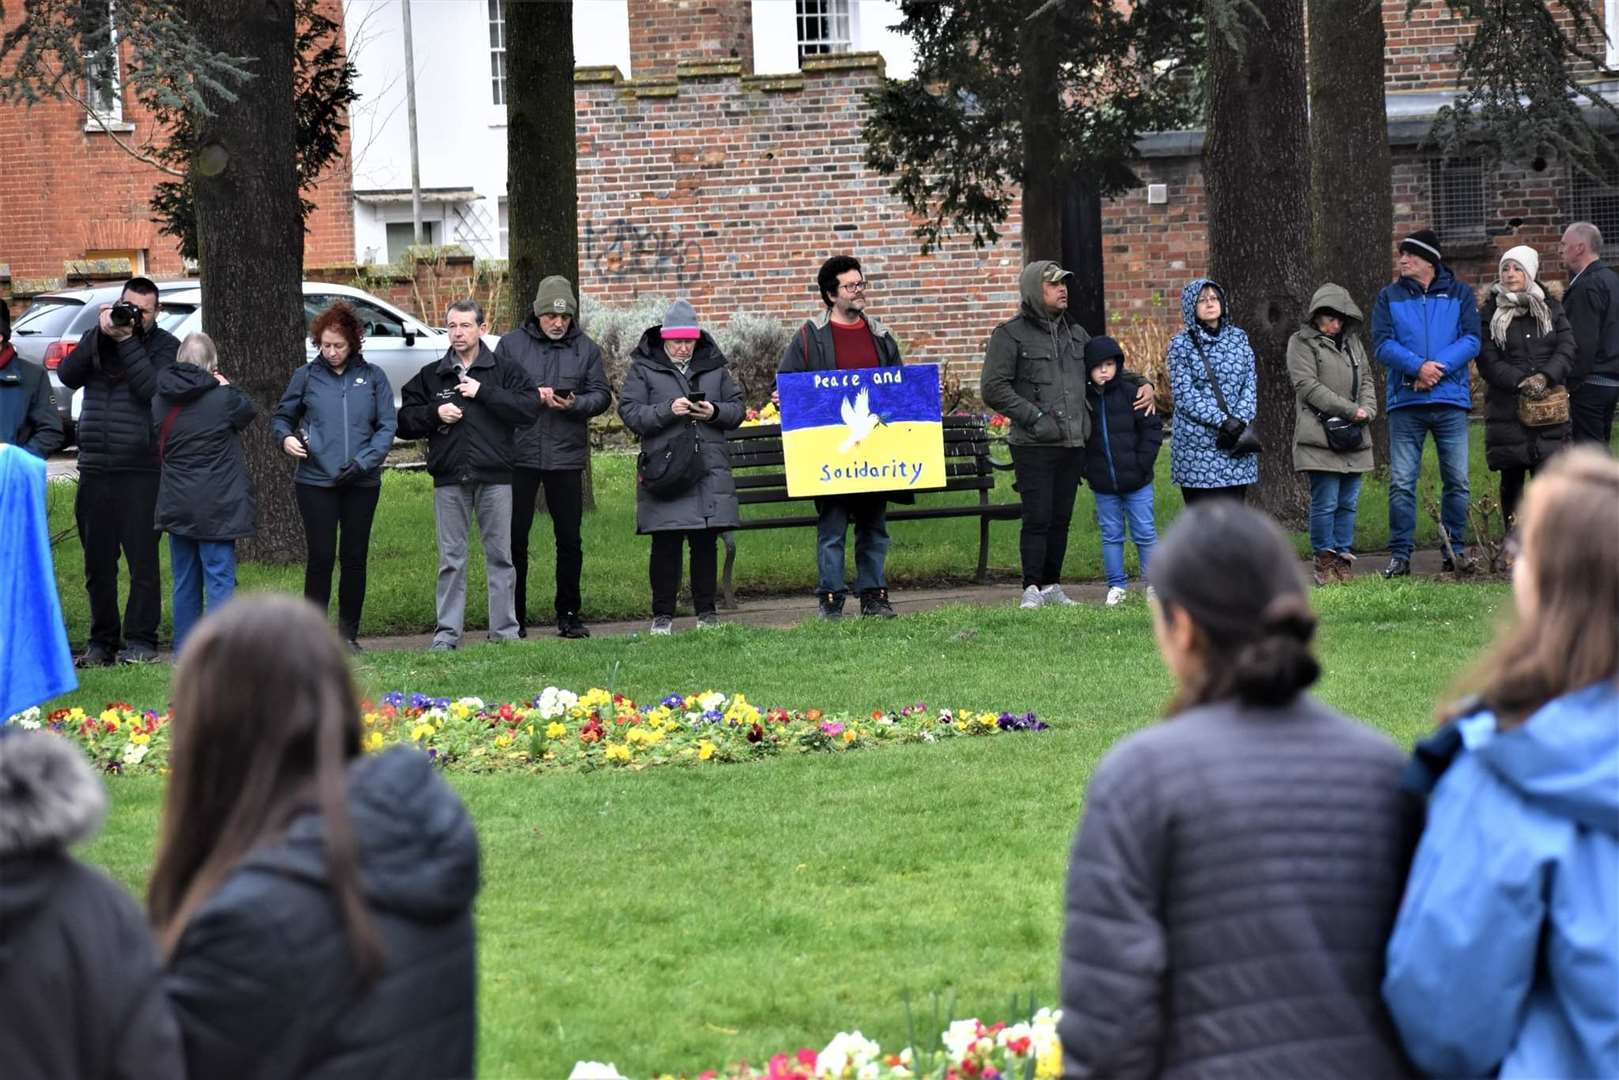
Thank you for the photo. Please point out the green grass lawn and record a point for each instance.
(680, 918)
(404, 561)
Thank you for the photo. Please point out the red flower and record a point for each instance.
(507, 714)
(755, 733)
(1019, 1045)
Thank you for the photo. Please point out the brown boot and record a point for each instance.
(1343, 568)
(1325, 561)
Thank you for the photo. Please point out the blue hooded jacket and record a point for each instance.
(1410, 327)
(35, 663)
(1506, 951)
(1194, 459)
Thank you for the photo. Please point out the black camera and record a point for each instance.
(124, 313)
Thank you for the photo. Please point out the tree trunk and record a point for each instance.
(1043, 176)
(1258, 141)
(251, 243)
(542, 158)
(1351, 182)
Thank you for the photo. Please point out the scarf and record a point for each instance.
(1509, 305)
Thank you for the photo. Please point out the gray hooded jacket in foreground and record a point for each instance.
(1230, 893)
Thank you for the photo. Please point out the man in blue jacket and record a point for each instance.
(1425, 330)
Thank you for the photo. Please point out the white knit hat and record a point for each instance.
(1526, 257)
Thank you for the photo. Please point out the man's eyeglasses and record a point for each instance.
(853, 286)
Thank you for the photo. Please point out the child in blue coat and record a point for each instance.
(1119, 458)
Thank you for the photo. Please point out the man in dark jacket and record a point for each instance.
(468, 405)
(78, 967)
(1034, 374)
(566, 367)
(1592, 303)
(117, 364)
(28, 415)
(843, 338)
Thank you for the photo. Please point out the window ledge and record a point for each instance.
(122, 127)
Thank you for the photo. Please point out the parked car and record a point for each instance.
(46, 333)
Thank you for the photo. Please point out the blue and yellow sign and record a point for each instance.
(871, 429)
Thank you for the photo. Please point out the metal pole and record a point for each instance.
(410, 102)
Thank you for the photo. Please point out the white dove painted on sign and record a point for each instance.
(859, 419)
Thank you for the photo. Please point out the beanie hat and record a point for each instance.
(555, 297)
(680, 324)
(1526, 257)
(1099, 350)
(1424, 244)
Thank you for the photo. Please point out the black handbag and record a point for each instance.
(1235, 436)
(674, 465)
(1343, 435)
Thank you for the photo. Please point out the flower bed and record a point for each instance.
(562, 730)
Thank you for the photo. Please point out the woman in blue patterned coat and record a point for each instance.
(1196, 464)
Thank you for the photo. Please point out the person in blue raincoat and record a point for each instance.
(1209, 342)
(1504, 960)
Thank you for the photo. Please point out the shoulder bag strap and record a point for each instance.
(1219, 397)
(163, 431)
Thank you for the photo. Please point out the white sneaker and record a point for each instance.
(663, 626)
(1053, 594)
(1115, 596)
(1032, 598)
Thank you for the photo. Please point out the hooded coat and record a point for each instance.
(1528, 351)
(645, 404)
(262, 980)
(1034, 370)
(560, 438)
(1506, 952)
(1330, 377)
(79, 971)
(205, 492)
(1194, 459)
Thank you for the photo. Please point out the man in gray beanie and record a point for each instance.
(565, 366)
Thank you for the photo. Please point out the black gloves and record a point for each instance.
(348, 474)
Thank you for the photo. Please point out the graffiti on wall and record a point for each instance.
(622, 249)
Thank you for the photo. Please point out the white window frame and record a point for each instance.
(1610, 24)
(497, 52)
(819, 15)
(107, 112)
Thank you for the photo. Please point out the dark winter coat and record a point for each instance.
(1330, 377)
(1592, 302)
(1231, 889)
(1508, 444)
(1034, 371)
(1195, 459)
(645, 404)
(205, 492)
(1123, 446)
(28, 416)
(119, 379)
(78, 968)
(481, 447)
(347, 417)
(811, 349)
(560, 438)
(262, 979)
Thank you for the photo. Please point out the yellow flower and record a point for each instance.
(618, 753)
(1049, 1067)
(421, 731)
(705, 750)
(373, 741)
(555, 730)
(503, 740)
(849, 735)
(140, 738)
(109, 719)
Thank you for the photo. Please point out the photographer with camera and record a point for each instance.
(117, 364)
(28, 415)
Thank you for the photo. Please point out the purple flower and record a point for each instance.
(1027, 722)
(713, 716)
(420, 701)
(396, 698)
(831, 728)
(673, 701)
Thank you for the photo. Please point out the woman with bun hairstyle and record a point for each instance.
(1238, 867)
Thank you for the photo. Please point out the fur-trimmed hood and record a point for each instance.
(50, 797)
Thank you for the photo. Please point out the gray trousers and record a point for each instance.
(453, 506)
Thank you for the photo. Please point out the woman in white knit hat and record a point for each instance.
(1527, 354)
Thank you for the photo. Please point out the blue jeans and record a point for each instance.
(198, 566)
(1112, 511)
(1333, 500)
(870, 516)
(1408, 428)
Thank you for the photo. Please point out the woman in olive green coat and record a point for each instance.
(1326, 361)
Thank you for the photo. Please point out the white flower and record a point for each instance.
(554, 702)
(470, 702)
(133, 753)
(960, 1037)
(595, 1070)
(844, 1052)
(28, 719)
(711, 700)
(1043, 1029)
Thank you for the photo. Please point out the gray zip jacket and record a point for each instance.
(347, 417)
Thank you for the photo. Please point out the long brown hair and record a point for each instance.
(1570, 534)
(265, 722)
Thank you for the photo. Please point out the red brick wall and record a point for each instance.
(732, 191)
(665, 32)
(1421, 51)
(67, 191)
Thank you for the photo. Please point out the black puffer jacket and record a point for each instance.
(78, 970)
(1124, 443)
(559, 439)
(1231, 891)
(119, 379)
(481, 447)
(205, 492)
(1507, 443)
(262, 981)
(1592, 300)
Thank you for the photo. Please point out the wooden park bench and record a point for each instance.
(761, 480)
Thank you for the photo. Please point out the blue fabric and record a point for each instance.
(1334, 498)
(35, 661)
(1194, 460)
(199, 566)
(870, 516)
(1112, 512)
(1410, 326)
(1506, 950)
(349, 417)
(1408, 429)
